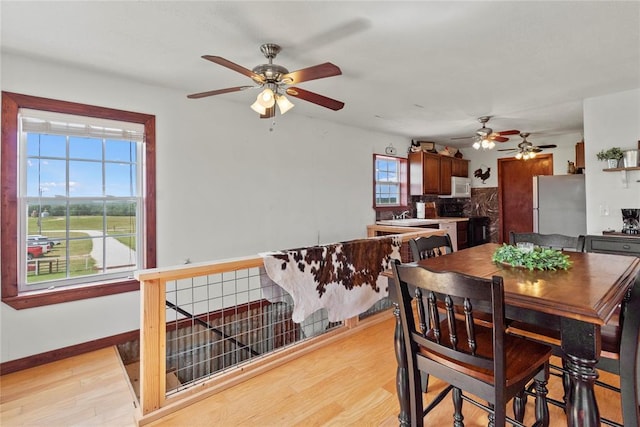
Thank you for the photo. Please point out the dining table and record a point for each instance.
(575, 302)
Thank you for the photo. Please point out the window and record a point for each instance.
(76, 186)
(389, 181)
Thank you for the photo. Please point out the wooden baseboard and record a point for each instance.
(63, 353)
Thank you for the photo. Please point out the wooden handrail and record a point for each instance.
(153, 323)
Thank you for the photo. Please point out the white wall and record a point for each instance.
(610, 120)
(226, 187)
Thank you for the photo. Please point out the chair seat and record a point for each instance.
(523, 355)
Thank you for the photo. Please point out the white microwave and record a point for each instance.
(460, 187)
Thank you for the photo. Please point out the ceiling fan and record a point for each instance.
(485, 137)
(525, 149)
(276, 81)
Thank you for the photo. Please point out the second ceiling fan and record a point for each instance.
(276, 81)
(525, 149)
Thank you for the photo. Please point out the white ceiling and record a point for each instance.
(422, 70)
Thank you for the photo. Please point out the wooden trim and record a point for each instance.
(404, 184)
(65, 352)
(71, 293)
(11, 103)
(9, 196)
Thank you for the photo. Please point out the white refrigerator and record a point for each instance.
(559, 205)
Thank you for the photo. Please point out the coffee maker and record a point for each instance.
(631, 221)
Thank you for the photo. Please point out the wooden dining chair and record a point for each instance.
(554, 241)
(620, 354)
(428, 247)
(473, 358)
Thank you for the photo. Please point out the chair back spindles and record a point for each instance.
(429, 247)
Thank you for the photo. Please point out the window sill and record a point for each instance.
(67, 294)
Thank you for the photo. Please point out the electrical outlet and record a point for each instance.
(604, 210)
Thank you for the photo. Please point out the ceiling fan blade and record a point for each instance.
(546, 146)
(508, 132)
(499, 138)
(235, 67)
(218, 92)
(507, 149)
(313, 73)
(321, 100)
(463, 137)
(271, 112)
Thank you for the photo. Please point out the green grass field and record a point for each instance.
(80, 263)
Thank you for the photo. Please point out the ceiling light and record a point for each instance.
(266, 98)
(519, 155)
(491, 144)
(257, 107)
(283, 103)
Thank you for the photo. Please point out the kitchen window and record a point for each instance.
(78, 180)
(389, 181)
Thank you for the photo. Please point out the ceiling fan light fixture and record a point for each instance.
(266, 98)
(283, 103)
(476, 145)
(485, 143)
(519, 155)
(257, 107)
(491, 144)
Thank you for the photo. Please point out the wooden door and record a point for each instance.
(515, 192)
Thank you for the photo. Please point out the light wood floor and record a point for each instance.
(349, 383)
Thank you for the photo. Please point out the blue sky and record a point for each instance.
(47, 166)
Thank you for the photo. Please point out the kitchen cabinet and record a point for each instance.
(580, 155)
(424, 173)
(431, 173)
(460, 167)
(463, 239)
(446, 165)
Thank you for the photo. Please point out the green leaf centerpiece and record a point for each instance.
(536, 258)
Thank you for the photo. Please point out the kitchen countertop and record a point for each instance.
(393, 229)
(415, 222)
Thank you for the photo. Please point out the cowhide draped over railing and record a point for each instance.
(344, 278)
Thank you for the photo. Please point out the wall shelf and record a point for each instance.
(623, 174)
(637, 168)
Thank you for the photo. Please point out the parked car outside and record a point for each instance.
(34, 251)
(40, 240)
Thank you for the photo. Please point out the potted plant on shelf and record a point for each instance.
(612, 156)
